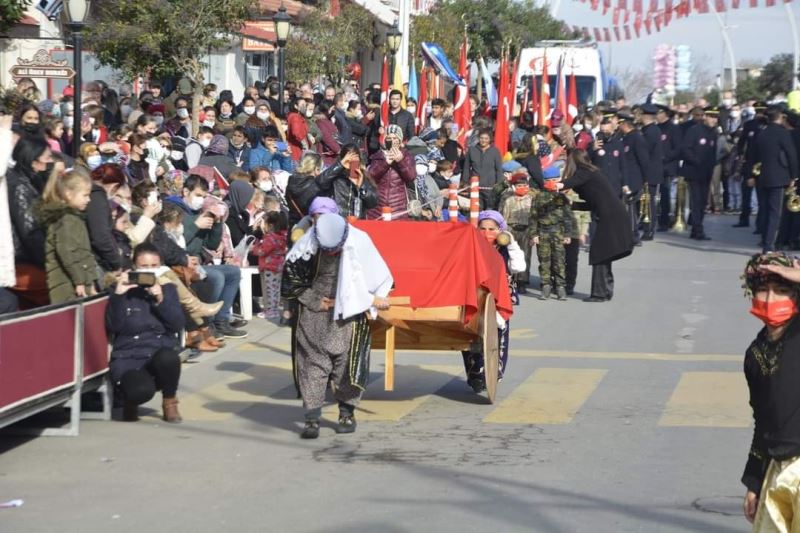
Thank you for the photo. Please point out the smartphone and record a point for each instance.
(281, 146)
(142, 279)
(388, 145)
(355, 165)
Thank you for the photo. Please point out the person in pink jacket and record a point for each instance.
(392, 169)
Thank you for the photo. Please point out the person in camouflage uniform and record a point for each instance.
(550, 228)
(580, 231)
(515, 206)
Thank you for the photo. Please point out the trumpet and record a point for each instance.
(644, 206)
(680, 206)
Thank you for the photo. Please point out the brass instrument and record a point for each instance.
(504, 238)
(792, 199)
(680, 206)
(756, 170)
(644, 206)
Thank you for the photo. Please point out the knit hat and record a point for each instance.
(394, 129)
(322, 205)
(416, 146)
(491, 214)
(218, 145)
(261, 102)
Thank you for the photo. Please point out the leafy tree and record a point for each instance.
(491, 25)
(164, 37)
(748, 89)
(712, 97)
(324, 45)
(11, 12)
(777, 76)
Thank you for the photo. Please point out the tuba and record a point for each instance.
(680, 206)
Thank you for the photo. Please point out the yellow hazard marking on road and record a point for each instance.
(223, 399)
(548, 396)
(709, 399)
(414, 385)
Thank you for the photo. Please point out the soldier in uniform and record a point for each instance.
(635, 165)
(747, 147)
(607, 150)
(515, 206)
(699, 153)
(776, 153)
(550, 229)
(654, 173)
(671, 149)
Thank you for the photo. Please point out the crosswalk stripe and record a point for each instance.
(414, 385)
(709, 399)
(549, 396)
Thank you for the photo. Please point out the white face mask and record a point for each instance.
(310, 112)
(265, 186)
(183, 112)
(205, 142)
(197, 202)
(412, 110)
(176, 155)
(432, 166)
(178, 231)
(578, 127)
(736, 114)
(152, 197)
(94, 161)
(160, 271)
(69, 121)
(263, 115)
(727, 102)
(209, 122)
(422, 169)
(249, 109)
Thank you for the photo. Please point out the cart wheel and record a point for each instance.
(491, 348)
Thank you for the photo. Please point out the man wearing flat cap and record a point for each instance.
(699, 152)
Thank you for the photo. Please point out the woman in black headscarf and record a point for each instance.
(239, 197)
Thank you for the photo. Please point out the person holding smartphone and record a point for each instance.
(392, 168)
(349, 185)
(272, 153)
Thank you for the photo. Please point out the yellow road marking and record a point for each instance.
(549, 396)
(414, 385)
(709, 399)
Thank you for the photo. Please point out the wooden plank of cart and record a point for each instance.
(403, 327)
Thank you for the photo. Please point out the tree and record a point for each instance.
(748, 89)
(11, 12)
(164, 37)
(776, 76)
(323, 45)
(491, 25)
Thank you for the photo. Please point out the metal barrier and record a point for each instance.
(51, 355)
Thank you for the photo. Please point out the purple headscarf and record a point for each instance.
(490, 214)
(321, 205)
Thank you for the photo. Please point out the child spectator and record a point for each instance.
(515, 206)
(550, 229)
(69, 262)
(271, 252)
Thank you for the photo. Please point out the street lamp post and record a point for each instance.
(283, 25)
(393, 40)
(76, 12)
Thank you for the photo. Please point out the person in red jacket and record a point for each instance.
(297, 135)
(392, 169)
(271, 253)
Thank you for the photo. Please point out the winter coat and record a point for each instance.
(613, 238)
(222, 163)
(776, 153)
(351, 200)
(297, 134)
(271, 252)
(196, 238)
(300, 191)
(392, 181)
(328, 146)
(98, 220)
(141, 327)
(69, 261)
(240, 156)
(343, 126)
(171, 254)
(24, 192)
(261, 157)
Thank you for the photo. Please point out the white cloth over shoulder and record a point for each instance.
(516, 258)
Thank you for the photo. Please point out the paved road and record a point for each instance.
(625, 416)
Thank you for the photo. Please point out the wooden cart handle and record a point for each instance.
(400, 300)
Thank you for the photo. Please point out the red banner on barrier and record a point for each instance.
(95, 338)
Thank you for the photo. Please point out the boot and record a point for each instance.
(211, 339)
(196, 340)
(545, 292)
(561, 292)
(171, 414)
(130, 412)
(196, 309)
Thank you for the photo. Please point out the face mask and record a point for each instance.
(412, 110)
(31, 128)
(750, 110)
(736, 114)
(205, 143)
(422, 169)
(774, 314)
(112, 159)
(263, 115)
(209, 123)
(522, 190)
(578, 127)
(249, 110)
(176, 155)
(159, 271)
(432, 166)
(225, 115)
(158, 119)
(197, 203)
(178, 232)
(48, 169)
(727, 102)
(265, 186)
(183, 113)
(309, 113)
(145, 153)
(69, 122)
(152, 197)
(94, 161)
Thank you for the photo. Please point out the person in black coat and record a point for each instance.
(238, 221)
(612, 239)
(635, 165)
(747, 147)
(144, 322)
(606, 154)
(303, 188)
(699, 152)
(528, 157)
(400, 116)
(776, 153)
(352, 198)
(654, 172)
(107, 179)
(671, 149)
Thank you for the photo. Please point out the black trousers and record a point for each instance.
(761, 217)
(8, 301)
(633, 211)
(698, 200)
(664, 203)
(571, 252)
(747, 201)
(653, 190)
(772, 209)
(602, 281)
(162, 372)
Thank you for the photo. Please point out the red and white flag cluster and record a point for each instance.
(629, 21)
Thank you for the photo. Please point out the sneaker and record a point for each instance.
(347, 424)
(238, 323)
(545, 293)
(561, 293)
(231, 333)
(311, 430)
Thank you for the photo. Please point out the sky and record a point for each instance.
(755, 33)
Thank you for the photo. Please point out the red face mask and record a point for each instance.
(774, 314)
(551, 185)
(522, 190)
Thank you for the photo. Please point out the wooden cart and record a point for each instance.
(439, 328)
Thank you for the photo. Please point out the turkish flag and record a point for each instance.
(597, 36)
(385, 96)
(463, 105)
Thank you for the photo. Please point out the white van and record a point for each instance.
(582, 58)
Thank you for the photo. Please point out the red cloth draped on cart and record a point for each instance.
(440, 264)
